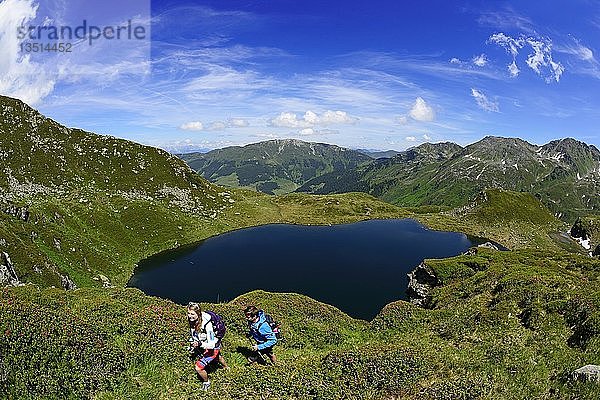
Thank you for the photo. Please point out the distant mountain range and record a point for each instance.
(275, 166)
(378, 153)
(564, 174)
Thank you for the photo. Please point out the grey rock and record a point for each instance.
(578, 230)
(489, 245)
(587, 373)
(105, 281)
(8, 276)
(420, 282)
(21, 213)
(67, 283)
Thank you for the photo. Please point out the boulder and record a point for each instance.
(8, 276)
(67, 283)
(489, 245)
(420, 282)
(589, 373)
(105, 281)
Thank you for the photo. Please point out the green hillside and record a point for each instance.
(564, 174)
(500, 325)
(273, 167)
(497, 324)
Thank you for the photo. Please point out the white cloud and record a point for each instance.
(219, 78)
(506, 19)
(511, 45)
(337, 117)
(402, 120)
(288, 120)
(312, 132)
(421, 111)
(307, 131)
(426, 137)
(192, 126)
(540, 61)
(411, 139)
(217, 126)
(19, 76)
(480, 60)
(580, 51)
(265, 135)
(542, 57)
(585, 53)
(513, 69)
(455, 60)
(483, 102)
(311, 119)
(237, 123)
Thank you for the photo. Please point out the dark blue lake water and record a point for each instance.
(357, 267)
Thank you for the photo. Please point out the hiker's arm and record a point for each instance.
(269, 335)
(211, 339)
(193, 339)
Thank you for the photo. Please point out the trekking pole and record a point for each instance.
(258, 351)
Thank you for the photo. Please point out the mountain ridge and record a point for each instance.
(552, 172)
(274, 167)
(534, 309)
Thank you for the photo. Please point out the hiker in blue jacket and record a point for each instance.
(262, 332)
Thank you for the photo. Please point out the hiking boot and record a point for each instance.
(205, 386)
(252, 360)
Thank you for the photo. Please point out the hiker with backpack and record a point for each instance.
(207, 330)
(264, 331)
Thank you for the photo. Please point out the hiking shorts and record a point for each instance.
(207, 357)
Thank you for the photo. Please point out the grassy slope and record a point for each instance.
(504, 325)
(118, 343)
(516, 220)
(517, 322)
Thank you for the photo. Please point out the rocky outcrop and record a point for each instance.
(583, 228)
(21, 213)
(420, 282)
(586, 231)
(489, 245)
(587, 374)
(8, 276)
(67, 283)
(105, 281)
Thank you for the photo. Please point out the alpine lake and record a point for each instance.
(358, 267)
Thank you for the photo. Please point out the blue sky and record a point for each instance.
(362, 74)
